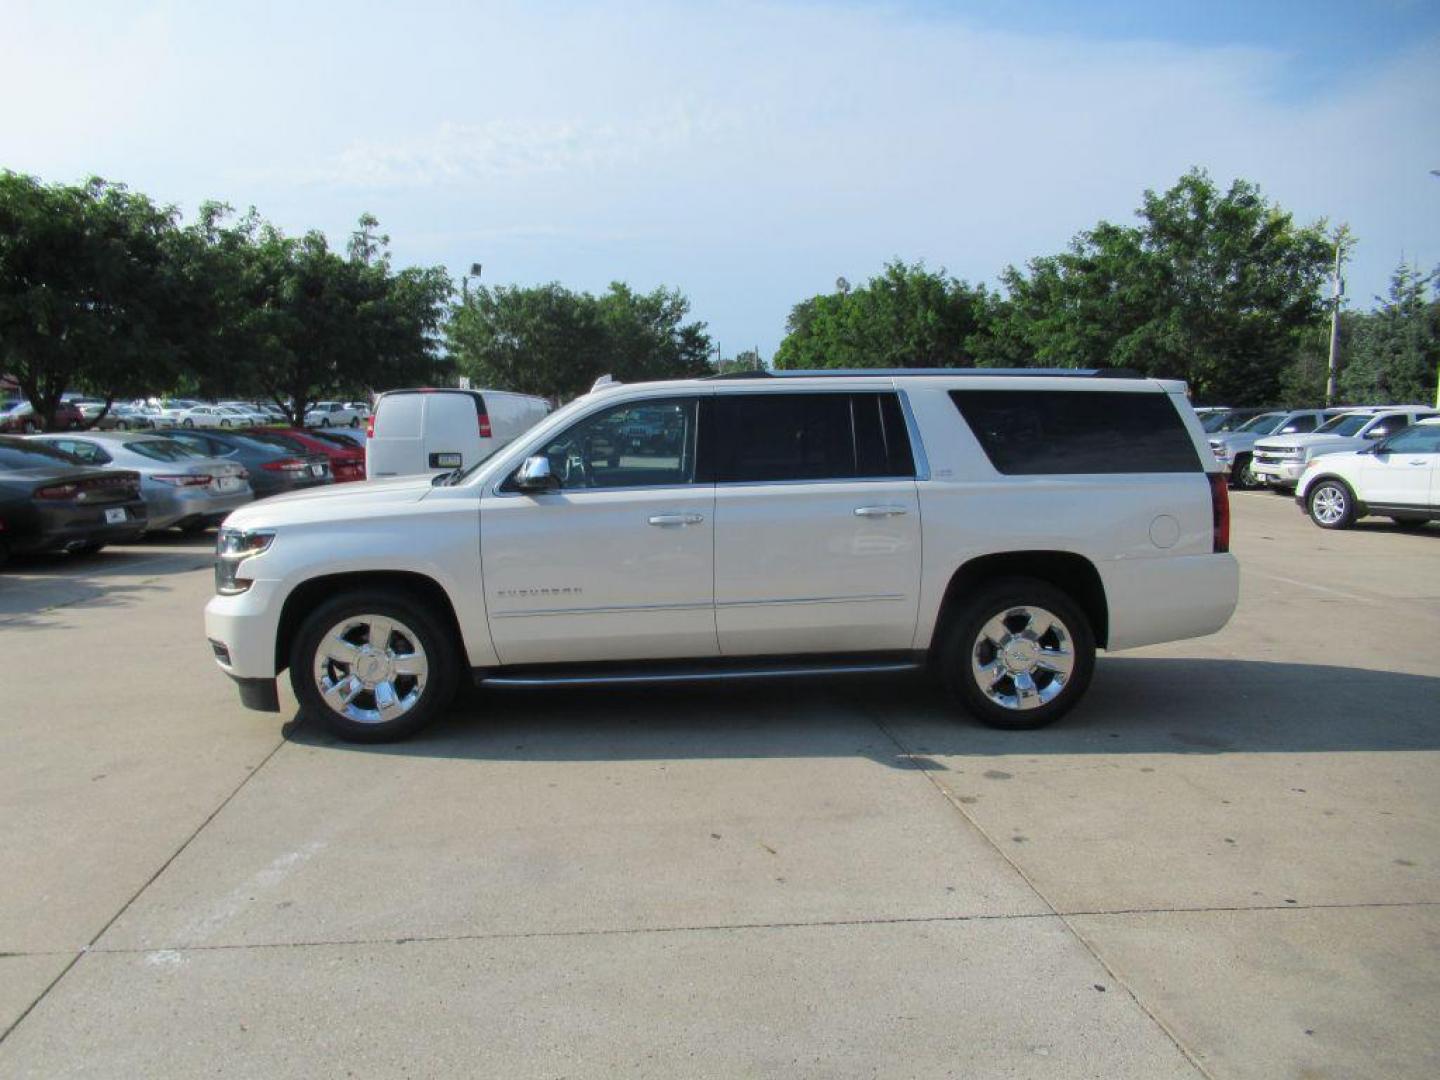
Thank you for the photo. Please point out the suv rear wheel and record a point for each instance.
(373, 666)
(1019, 655)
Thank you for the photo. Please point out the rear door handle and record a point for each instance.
(879, 511)
(672, 521)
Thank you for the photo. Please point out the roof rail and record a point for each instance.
(797, 373)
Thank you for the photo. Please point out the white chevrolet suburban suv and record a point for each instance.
(997, 527)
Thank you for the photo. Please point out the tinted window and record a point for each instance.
(87, 452)
(284, 442)
(1420, 439)
(1298, 424)
(818, 436)
(1029, 432)
(639, 444)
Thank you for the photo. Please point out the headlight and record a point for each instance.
(232, 547)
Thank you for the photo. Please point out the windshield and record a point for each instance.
(1263, 424)
(455, 478)
(162, 449)
(285, 442)
(1344, 425)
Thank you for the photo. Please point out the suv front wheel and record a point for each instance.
(1331, 504)
(1019, 655)
(373, 666)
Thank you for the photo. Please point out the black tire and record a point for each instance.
(87, 549)
(187, 422)
(355, 421)
(963, 646)
(30, 428)
(324, 421)
(4, 554)
(1331, 504)
(433, 639)
(121, 425)
(192, 528)
(1242, 474)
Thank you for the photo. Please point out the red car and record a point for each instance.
(18, 418)
(345, 463)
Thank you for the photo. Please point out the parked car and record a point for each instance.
(998, 527)
(345, 440)
(181, 487)
(1234, 449)
(167, 412)
(1229, 419)
(1397, 477)
(360, 408)
(21, 419)
(429, 431)
(333, 414)
(273, 470)
(346, 463)
(1280, 461)
(50, 501)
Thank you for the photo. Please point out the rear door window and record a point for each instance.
(760, 438)
(1057, 432)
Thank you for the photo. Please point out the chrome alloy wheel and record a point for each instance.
(371, 669)
(1328, 504)
(1023, 658)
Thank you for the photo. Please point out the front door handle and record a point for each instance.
(879, 511)
(672, 521)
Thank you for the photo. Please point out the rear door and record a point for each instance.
(453, 430)
(817, 522)
(396, 448)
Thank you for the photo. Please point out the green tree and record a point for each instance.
(1216, 288)
(905, 317)
(91, 290)
(1390, 354)
(550, 341)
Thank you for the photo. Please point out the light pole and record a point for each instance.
(475, 269)
(1436, 173)
(1342, 241)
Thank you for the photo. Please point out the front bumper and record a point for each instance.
(1279, 473)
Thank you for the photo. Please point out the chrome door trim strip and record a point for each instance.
(700, 605)
(875, 598)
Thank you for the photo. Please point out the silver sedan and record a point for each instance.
(180, 487)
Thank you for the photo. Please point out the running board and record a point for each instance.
(616, 675)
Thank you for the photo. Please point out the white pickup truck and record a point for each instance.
(1281, 461)
(997, 527)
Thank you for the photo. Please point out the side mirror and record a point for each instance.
(535, 475)
(1376, 433)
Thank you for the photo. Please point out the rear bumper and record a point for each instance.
(1169, 599)
(64, 529)
(170, 507)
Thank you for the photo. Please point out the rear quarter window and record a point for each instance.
(1049, 432)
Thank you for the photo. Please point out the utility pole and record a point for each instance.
(1342, 238)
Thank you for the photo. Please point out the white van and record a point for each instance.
(425, 430)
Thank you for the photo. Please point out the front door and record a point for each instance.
(817, 523)
(618, 563)
(1402, 471)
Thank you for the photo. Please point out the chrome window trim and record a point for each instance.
(917, 446)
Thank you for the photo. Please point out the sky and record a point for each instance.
(746, 153)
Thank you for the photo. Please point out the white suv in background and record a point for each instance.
(1398, 478)
(998, 527)
(1280, 461)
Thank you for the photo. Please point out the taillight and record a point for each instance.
(290, 465)
(1220, 510)
(58, 491)
(485, 425)
(370, 428)
(184, 480)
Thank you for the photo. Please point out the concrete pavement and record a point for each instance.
(1225, 863)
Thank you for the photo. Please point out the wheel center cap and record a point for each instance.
(372, 667)
(1020, 655)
